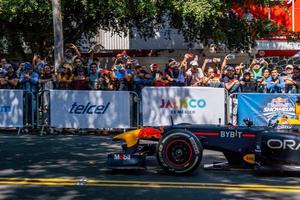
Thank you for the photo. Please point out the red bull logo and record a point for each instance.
(279, 104)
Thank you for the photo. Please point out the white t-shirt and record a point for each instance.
(195, 76)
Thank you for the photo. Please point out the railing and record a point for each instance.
(118, 110)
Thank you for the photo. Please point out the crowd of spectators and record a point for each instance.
(128, 74)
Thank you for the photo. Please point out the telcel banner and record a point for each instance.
(89, 109)
(193, 105)
(11, 108)
(265, 108)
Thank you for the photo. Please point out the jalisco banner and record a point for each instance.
(265, 108)
(89, 109)
(193, 105)
(11, 108)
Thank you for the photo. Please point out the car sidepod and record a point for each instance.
(278, 151)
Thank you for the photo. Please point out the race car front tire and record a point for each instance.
(179, 152)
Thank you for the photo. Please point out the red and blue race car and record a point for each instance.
(179, 148)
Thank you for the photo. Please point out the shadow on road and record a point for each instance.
(85, 156)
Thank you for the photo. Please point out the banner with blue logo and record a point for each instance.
(265, 108)
(90, 109)
(193, 105)
(11, 108)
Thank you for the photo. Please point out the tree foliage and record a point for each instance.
(29, 22)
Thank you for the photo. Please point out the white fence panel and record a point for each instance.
(11, 108)
(194, 105)
(89, 109)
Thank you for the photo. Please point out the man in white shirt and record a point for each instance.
(194, 74)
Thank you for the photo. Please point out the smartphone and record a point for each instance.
(231, 56)
(209, 60)
(217, 59)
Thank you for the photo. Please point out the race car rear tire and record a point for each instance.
(179, 152)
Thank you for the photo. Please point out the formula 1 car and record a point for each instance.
(179, 148)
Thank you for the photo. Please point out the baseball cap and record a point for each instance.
(41, 65)
(172, 61)
(28, 66)
(229, 68)
(104, 71)
(247, 73)
(289, 67)
(194, 63)
(154, 65)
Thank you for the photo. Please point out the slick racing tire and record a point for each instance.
(179, 152)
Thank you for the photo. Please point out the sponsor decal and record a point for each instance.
(249, 158)
(5, 109)
(283, 144)
(195, 147)
(230, 134)
(88, 109)
(122, 157)
(182, 106)
(279, 109)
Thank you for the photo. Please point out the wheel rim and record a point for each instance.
(179, 153)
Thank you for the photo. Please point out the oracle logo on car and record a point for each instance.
(283, 144)
(88, 108)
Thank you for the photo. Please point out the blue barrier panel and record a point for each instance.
(265, 108)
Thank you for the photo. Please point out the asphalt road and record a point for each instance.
(73, 167)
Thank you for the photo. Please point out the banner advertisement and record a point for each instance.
(11, 108)
(89, 109)
(193, 105)
(263, 109)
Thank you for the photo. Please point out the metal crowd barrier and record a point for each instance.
(30, 119)
(43, 108)
(44, 118)
(37, 112)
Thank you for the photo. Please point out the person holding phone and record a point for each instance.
(257, 67)
(212, 78)
(194, 74)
